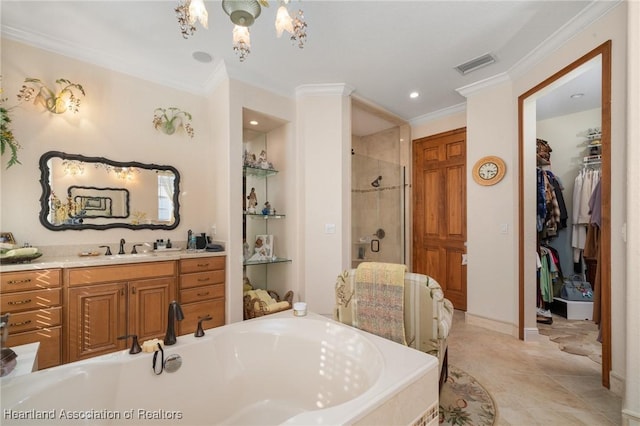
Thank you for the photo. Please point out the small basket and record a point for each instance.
(254, 307)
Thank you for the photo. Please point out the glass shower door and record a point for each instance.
(377, 211)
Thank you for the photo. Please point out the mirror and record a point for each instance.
(101, 202)
(81, 192)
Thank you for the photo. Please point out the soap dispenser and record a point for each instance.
(191, 241)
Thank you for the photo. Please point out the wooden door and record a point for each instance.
(148, 307)
(97, 317)
(439, 212)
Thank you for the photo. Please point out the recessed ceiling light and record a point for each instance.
(203, 57)
(254, 123)
(414, 95)
(577, 95)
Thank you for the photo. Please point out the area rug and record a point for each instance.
(463, 401)
(578, 337)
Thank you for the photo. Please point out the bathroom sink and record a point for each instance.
(129, 256)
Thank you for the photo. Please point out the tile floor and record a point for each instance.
(533, 383)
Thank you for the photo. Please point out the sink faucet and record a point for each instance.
(122, 241)
(175, 314)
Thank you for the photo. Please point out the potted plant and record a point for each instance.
(7, 139)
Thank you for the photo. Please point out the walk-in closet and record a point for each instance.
(568, 201)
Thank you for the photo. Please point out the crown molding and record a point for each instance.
(436, 115)
(483, 84)
(217, 77)
(586, 17)
(95, 57)
(589, 15)
(334, 89)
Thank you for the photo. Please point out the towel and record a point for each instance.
(379, 306)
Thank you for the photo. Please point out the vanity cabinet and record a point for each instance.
(201, 292)
(34, 301)
(106, 302)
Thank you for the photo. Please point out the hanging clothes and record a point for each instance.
(551, 207)
(585, 183)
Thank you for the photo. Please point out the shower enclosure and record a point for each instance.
(377, 210)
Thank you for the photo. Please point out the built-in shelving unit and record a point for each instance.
(266, 223)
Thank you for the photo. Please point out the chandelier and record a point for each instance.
(243, 14)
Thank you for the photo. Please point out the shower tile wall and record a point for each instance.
(379, 207)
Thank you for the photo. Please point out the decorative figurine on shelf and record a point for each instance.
(253, 201)
(249, 159)
(267, 208)
(262, 160)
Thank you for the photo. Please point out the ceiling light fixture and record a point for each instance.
(577, 95)
(414, 95)
(253, 123)
(243, 13)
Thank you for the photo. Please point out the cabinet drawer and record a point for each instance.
(30, 280)
(119, 273)
(201, 293)
(194, 311)
(202, 264)
(26, 300)
(31, 320)
(50, 351)
(201, 278)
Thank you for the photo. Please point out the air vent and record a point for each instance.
(477, 63)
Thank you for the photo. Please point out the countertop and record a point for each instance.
(52, 261)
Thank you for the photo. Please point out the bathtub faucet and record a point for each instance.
(175, 314)
(8, 359)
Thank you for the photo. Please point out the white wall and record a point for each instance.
(324, 114)
(114, 121)
(631, 401)
(492, 256)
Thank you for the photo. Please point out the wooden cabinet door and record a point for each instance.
(97, 317)
(148, 307)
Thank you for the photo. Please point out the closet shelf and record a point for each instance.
(592, 159)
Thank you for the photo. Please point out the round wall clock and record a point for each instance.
(489, 170)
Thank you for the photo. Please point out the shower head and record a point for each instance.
(376, 183)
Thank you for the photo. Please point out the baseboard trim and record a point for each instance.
(532, 335)
(616, 383)
(491, 324)
(631, 416)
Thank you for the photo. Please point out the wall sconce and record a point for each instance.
(56, 102)
(168, 120)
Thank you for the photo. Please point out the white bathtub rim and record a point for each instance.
(408, 362)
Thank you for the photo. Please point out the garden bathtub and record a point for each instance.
(278, 369)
